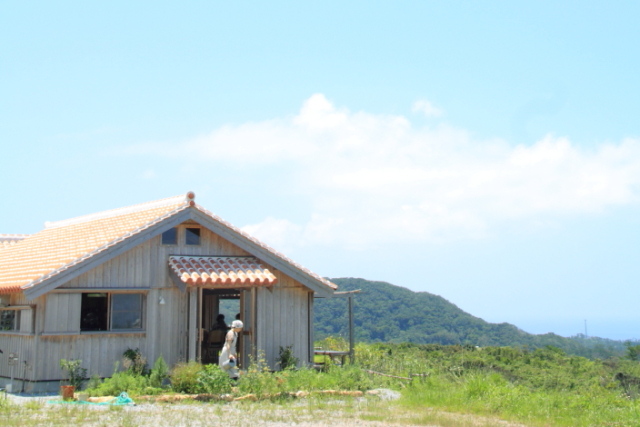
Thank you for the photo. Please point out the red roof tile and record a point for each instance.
(221, 271)
(8, 240)
(64, 244)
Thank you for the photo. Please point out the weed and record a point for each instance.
(134, 360)
(286, 359)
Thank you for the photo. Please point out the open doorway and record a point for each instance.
(231, 304)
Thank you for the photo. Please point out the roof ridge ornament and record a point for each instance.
(187, 198)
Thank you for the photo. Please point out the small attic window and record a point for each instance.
(192, 236)
(170, 237)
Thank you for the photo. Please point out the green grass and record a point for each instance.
(544, 387)
(460, 386)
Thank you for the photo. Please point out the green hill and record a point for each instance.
(388, 313)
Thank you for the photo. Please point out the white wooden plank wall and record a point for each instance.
(24, 346)
(283, 320)
(62, 313)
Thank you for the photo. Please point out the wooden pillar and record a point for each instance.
(193, 322)
(254, 323)
(199, 328)
(351, 352)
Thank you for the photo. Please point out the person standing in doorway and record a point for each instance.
(228, 358)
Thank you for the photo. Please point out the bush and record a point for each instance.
(286, 359)
(258, 379)
(213, 380)
(134, 361)
(121, 381)
(184, 377)
(133, 381)
(159, 372)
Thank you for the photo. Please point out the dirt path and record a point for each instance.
(369, 412)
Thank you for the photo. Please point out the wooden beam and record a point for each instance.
(176, 280)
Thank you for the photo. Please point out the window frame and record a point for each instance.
(186, 235)
(141, 310)
(19, 323)
(109, 313)
(177, 240)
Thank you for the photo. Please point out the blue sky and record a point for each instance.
(488, 152)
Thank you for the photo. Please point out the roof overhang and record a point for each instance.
(215, 272)
(318, 285)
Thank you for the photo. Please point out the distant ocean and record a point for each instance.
(612, 329)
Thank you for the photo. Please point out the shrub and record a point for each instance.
(121, 381)
(258, 379)
(213, 380)
(159, 372)
(184, 377)
(286, 359)
(134, 361)
(74, 371)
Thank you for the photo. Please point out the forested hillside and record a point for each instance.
(388, 313)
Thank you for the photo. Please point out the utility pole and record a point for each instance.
(586, 335)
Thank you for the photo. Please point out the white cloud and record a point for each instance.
(279, 233)
(427, 108)
(375, 179)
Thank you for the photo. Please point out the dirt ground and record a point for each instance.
(374, 411)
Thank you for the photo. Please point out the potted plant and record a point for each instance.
(76, 375)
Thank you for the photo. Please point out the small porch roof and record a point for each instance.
(217, 271)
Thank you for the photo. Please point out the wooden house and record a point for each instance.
(147, 277)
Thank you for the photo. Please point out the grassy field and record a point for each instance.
(457, 387)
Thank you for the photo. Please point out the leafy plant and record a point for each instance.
(75, 372)
(184, 377)
(159, 372)
(213, 380)
(258, 379)
(134, 361)
(122, 381)
(286, 359)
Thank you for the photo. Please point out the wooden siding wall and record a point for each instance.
(24, 346)
(283, 320)
(146, 264)
(22, 343)
(62, 313)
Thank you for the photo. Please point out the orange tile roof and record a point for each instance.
(8, 240)
(221, 271)
(64, 244)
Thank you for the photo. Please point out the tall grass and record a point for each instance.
(543, 387)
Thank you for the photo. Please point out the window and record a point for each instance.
(10, 320)
(170, 237)
(192, 236)
(126, 311)
(111, 312)
(17, 318)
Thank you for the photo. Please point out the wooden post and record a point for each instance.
(254, 323)
(351, 352)
(193, 322)
(200, 330)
